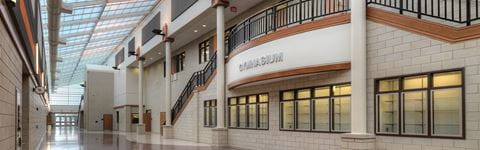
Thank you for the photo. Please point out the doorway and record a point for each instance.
(147, 120)
(63, 119)
(107, 122)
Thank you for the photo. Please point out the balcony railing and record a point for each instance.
(198, 78)
(283, 15)
(456, 11)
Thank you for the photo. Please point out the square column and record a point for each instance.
(168, 128)
(220, 134)
(359, 138)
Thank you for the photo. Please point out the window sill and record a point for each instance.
(247, 128)
(421, 136)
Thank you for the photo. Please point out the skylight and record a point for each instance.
(93, 30)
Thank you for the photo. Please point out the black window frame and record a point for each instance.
(131, 47)
(257, 114)
(179, 62)
(147, 33)
(164, 69)
(312, 100)
(120, 57)
(429, 99)
(210, 105)
(203, 48)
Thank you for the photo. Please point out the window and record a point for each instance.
(210, 113)
(429, 104)
(248, 112)
(147, 33)
(164, 69)
(134, 118)
(120, 57)
(324, 108)
(131, 47)
(205, 50)
(179, 62)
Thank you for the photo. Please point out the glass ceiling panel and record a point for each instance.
(67, 49)
(69, 29)
(76, 1)
(93, 30)
(108, 35)
(127, 7)
(77, 39)
(118, 22)
(86, 12)
(104, 43)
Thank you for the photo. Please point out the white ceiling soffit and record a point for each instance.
(91, 32)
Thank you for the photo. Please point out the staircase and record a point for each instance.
(198, 79)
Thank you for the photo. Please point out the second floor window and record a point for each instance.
(205, 50)
(179, 62)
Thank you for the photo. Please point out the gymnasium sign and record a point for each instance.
(261, 61)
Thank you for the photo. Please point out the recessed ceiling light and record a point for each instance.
(204, 26)
(195, 31)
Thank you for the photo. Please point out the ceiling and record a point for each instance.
(201, 25)
(93, 30)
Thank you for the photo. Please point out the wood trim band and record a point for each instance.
(198, 89)
(428, 28)
(293, 72)
(26, 21)
(335, 20)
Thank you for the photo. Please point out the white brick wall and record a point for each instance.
(413, 53)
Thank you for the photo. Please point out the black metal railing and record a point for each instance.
(282, 15)
(198, 78)
(457, 11)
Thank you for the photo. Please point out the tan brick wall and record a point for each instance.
(394, 52)
(34, 121)
(10, 79)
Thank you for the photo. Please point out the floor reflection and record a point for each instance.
(71, 138)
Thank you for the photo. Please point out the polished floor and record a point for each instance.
(71, 138)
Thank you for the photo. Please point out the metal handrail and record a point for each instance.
(283, 15)
(456, 11)
(198, 78)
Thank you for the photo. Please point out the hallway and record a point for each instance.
(72, 138)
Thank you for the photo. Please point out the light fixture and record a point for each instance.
(158, 32)
(204, 26)
(131, 53)
(195, 31)
(11, 3)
